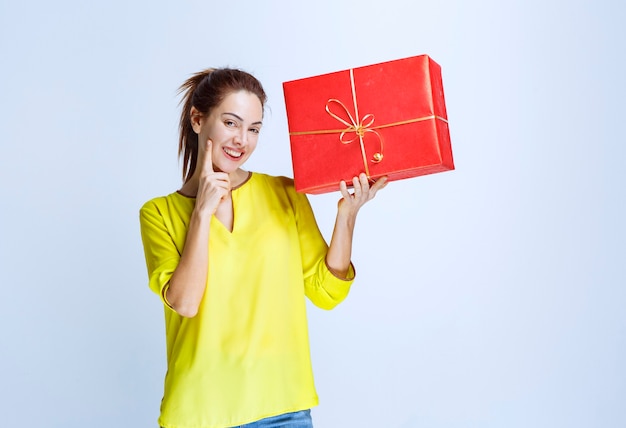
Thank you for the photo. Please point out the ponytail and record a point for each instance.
(188, 139)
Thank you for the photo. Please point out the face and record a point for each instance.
(233, 127)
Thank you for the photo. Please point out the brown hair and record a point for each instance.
(205, 90)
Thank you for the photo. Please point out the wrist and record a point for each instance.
(199, 219)
(347, 218)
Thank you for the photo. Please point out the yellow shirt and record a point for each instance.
(245, 355)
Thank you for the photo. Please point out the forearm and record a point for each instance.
(188, 282)
(340, 248)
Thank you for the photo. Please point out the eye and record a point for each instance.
(255, 130)
(230, 123)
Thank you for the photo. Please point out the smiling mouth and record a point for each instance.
(233, 153)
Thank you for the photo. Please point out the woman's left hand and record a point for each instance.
(363, 192)
(340, 248)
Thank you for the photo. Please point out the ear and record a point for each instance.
(196, 120)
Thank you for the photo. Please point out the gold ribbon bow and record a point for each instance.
(360, 128)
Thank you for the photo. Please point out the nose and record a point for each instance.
(241, 137)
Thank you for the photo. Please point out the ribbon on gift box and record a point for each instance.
(360, 127)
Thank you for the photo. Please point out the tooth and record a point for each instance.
(233, 153)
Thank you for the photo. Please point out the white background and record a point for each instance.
(490, 296)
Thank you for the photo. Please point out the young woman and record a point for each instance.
(232, 255)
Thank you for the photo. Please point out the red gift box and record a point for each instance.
(382, 119)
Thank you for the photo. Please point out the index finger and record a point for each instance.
(207, 165)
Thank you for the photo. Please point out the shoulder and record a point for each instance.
(280, 186)
(152, 203)
(275, 181)
(281, 189)
(278, 190)
(163, 204)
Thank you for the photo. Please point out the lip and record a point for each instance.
(231, 153)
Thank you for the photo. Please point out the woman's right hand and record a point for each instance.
(188, 282)
(213, 187)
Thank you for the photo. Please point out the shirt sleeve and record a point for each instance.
(321, 286)
(161, 254)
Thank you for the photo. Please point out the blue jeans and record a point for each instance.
(301, 419)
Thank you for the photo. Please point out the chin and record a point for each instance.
(228, 168)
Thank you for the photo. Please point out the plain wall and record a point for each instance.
(489, 296)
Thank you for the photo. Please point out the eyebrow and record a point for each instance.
(239, 118)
